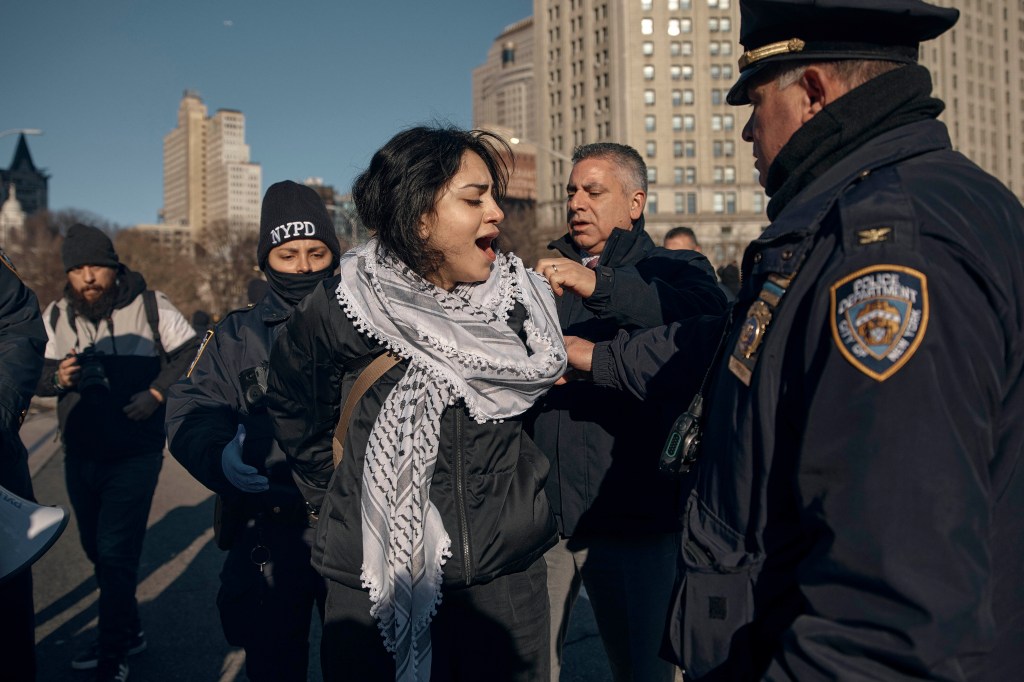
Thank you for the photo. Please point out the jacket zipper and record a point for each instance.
(460, 497)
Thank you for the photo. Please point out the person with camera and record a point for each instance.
(114, 348)
(218, 428)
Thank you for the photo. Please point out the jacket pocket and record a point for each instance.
(715, 599)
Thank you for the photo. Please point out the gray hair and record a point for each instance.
(851, 72)
(632, 169)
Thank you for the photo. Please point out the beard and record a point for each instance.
(96, 310)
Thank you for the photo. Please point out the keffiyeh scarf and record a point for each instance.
(459, 346)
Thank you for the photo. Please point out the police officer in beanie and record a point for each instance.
(858, 500)
(219, 430)
(114, 349)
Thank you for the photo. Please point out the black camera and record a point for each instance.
(680, 451)
(254, 386)
(92, 378)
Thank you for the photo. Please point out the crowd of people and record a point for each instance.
(810, 471)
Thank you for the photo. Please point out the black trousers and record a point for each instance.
(496, 632)
(17, 614)
(267, 611)
(111, 499)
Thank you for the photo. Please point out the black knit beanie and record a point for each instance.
(87, 245)
(293, 211)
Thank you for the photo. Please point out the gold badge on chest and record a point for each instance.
(755, 327)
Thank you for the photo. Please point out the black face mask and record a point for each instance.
(293, 287)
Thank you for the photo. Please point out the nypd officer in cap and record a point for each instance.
(858, 501)
(218, 429)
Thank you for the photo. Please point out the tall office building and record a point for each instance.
(978, 71)
(209, 182)
(504, 86)
(654, 74)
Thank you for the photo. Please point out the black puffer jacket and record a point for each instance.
(488, 482)
(604, 444)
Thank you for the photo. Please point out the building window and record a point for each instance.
(713, 48)
(730, 202)
(713, 24)
(648, 72)
(675, 72)
(725, 24)
(757, 202)
(716, 96)
(716, 175)
(673, 27)
(652, 174)
(728, 122)
(691, 202)
(648, 48)
(689, 122)
(677, 174)
(680, 200)
(688, 97)
(716, 122)
(650, 123)
(677, 122)
(651, 149)
(690, 149)
(687, 72)
(691, 175)
(673, 5)
(649, 97)
(652, 202)
(729, 175)
(716, 148)
(647, 26)
(508, 53)
(729, 148)
(677, 149)
(718, 202)
(677, 98)
(686, 25)
(675, 48)
(687, 48)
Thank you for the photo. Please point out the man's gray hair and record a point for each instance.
(852, 72)
(633, 170)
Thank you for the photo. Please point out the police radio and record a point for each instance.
(680, 451)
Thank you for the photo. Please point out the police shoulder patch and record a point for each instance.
(878, 316)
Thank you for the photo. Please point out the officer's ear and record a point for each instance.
(821, 87)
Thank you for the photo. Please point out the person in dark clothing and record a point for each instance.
(218, 428)
(618, 519)
(114, 349)
(432, 519)
(22, 339)
(859, 490)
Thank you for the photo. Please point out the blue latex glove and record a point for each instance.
(238, 473)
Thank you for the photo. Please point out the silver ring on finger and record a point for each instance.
(554, 268)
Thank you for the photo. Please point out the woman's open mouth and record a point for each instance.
(486, 244)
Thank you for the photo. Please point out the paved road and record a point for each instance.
(178, 585)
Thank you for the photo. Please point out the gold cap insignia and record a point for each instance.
(772, 49)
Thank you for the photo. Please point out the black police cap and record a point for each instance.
(774, 31)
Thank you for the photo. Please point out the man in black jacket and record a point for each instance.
(617, 518)
(22, 338)
(859, 493)
(114, 349)
(219, 429)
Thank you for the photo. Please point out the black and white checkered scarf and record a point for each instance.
(459, 346)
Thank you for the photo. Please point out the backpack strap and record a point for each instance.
(153, 318)
(368, 377)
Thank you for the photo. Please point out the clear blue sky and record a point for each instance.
(322, 84)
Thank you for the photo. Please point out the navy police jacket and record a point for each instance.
(604, 443)
(205, 408)
(859, 499)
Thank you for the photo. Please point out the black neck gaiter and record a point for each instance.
(889, 101)
(293, 287)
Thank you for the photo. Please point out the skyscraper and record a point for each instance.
(654, 74)
(209, 182)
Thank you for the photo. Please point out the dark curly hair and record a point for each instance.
(406, 177)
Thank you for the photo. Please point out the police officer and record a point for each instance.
(859, 490)
(22, 339)
(219, 430)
